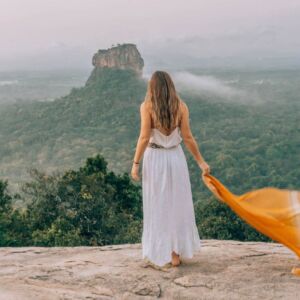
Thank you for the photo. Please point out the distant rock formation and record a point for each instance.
(125, 56)
(122, 56)
(220, 270)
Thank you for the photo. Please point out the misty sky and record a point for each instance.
(52, 33)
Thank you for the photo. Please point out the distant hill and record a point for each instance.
(246, 146)
(100, 117)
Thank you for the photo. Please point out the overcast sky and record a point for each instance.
(51, 33)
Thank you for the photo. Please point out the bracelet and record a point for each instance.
(137, 163)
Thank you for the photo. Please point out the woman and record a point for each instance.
(169, 226)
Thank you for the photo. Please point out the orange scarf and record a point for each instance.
(273, 212)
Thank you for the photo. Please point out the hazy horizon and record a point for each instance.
(55, 34)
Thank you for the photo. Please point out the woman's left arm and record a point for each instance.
(143, 140)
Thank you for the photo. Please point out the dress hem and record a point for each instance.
(184, 256)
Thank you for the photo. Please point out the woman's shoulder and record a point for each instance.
(183, 106)
(147, 105)
(182, 102)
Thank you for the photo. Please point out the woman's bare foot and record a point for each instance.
(175, 259)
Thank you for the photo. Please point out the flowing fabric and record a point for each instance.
(168, 213)
(273, 212)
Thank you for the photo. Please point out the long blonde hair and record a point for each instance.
(165, 102)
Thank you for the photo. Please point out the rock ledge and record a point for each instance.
(220, 270)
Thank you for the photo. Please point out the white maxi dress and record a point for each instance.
(168, 210)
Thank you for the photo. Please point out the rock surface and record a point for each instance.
(121, 57)
(220, 270)
(125, 56)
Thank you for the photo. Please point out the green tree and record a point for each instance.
(90, 206)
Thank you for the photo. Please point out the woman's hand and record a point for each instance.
(135, 172)
(204, 167)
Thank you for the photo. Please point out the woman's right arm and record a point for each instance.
(189, 139)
